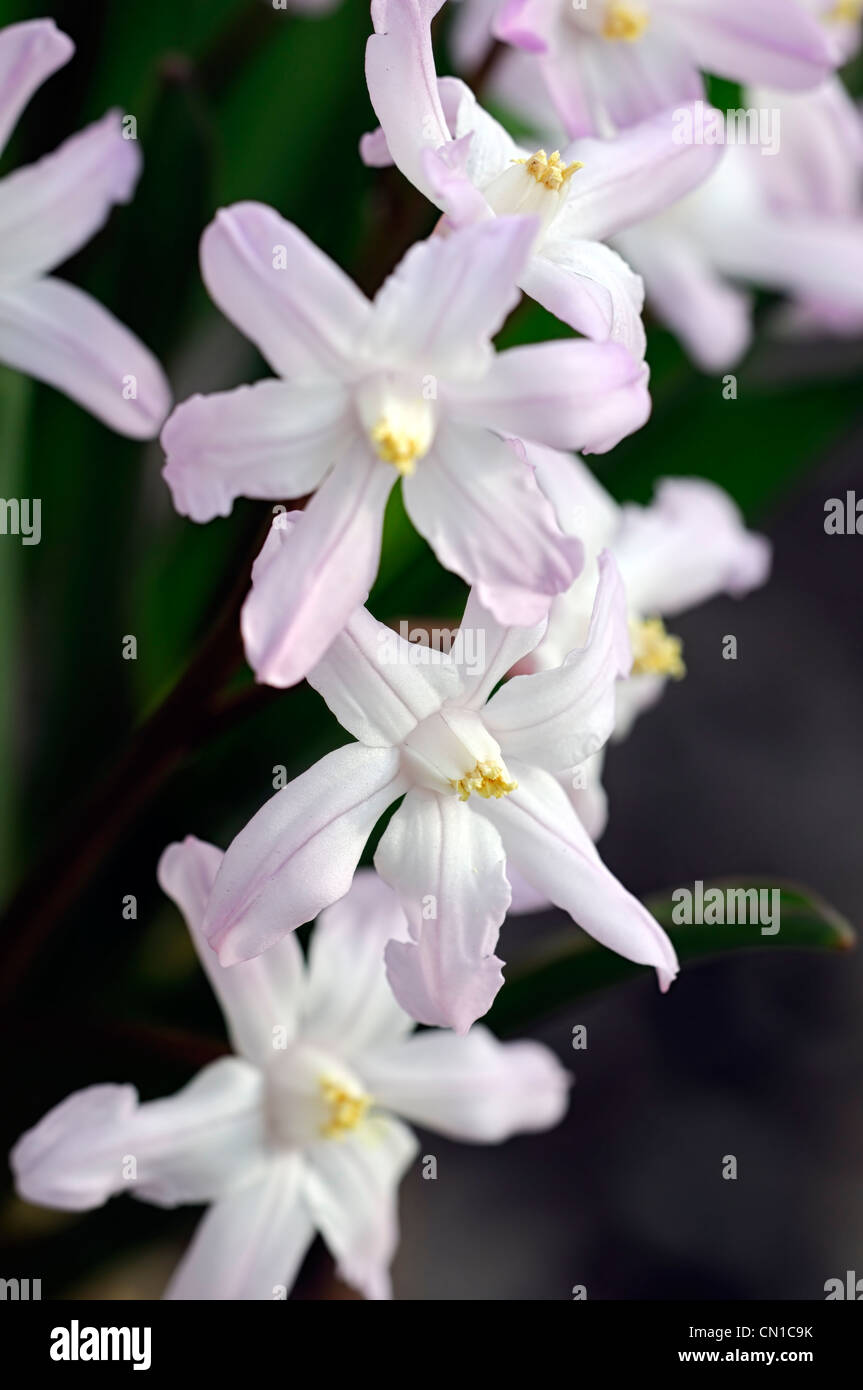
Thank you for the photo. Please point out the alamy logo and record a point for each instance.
(721, 906)
(848, 1288)
(20, 1290)
(77, 1343)
(21, 517)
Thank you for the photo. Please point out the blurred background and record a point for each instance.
(751, 767)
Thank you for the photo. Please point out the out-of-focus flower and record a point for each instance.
(468, 166)
(298, 1131)
(409, 388)
(478, 779)
(48, 211)
(790, 221)
(612, 63)
(841, 20)
(688, 546)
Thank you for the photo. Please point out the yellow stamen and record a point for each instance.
(550, 169)
(397, 447)
(487, 780)
(622, 21)
(346, 1109)
(656, 652)
(845, 12)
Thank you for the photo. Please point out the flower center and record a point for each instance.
(655, 651)
(397, 446)
(845, 12)
(346, 1108)
(624, 21)
(487, 779)
(549, 170)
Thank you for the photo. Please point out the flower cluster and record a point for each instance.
(495, 763)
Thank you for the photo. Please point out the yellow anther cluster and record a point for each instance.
(656, 652)
(624, 21)
(346, 1109)
(486, 780)
(845, 12)
(549, 170)
(396, 447)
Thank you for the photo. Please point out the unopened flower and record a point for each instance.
(300, 1131)
(612, 63)
(477, 771)
(470, 167)
(405, 388)
(48, 211)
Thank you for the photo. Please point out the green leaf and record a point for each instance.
(569, 964)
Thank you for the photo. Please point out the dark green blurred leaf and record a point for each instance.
(570, 964)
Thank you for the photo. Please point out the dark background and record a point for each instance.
(747, 767)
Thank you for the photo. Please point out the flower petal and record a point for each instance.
(29, 53)
(250, 1244)
(591, 288)
(49, 210)
(298, 854)
(58, 334)
(402, 83)
(556, 719)
(569, 395)
(447, 866)
(378, 685)
(317, 575)
(688, 546)
(636, 175)
(349, 1003)
(270, 440)
(351, 1188)
(622, 83)
(474, 1088)
(500, 647)
(255, 996)
(477, 503)
(448, 296)
(546, 841)
(291, 300)
(193, 1147)
(774, 42)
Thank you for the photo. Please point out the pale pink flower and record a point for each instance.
(302, 1130)
(48, 211)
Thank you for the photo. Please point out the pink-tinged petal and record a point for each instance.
(776, 42)
(349, 1004)
(29, 53)
(49, 210)
(192, 1147)
(815, 257)
(819, 164)
(623, 83)
(490, 148)
(557, 719)
(448, 297)
(474, 1088)
(270, 440)
(470, 36)
(499, 648)
(525, 898)
(378, 685)
(447, 866)
(320, 573)
(250, 1244)
(477, 503)
(581, 504)
(639, 173)
(712, 319)
(446, 171)
(58, 334)
(374, 150)
(546, 841)
(402, 83)
(256, 996)
(351, 1188)
(526, 24)
(291, 300)
(566, 394)
(299, 853)
(591, 288)
(688, 546)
